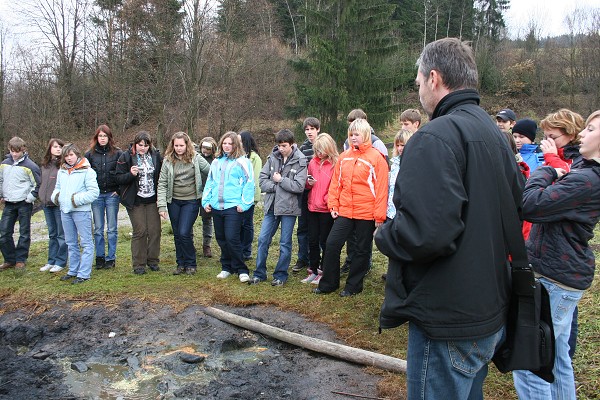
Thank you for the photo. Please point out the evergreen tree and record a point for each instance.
(348, 66)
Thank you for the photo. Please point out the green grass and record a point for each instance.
(355, 319)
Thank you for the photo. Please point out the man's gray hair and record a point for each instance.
(453, 59)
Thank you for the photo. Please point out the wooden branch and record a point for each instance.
(340, 351)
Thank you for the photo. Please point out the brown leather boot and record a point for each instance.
(207, 251)
(6, 265)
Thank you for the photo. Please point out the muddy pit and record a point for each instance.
(139, 350)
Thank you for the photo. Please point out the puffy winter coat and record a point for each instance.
(76, 188)
(104, 162)
(230, 184)
(359, 185)
(564, 213)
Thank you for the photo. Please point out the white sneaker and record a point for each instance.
(56, 268)
(309, 278)
(223, 274)
(244, 278)
(46, 267)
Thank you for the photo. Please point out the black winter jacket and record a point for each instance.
(564, 213)
(104, 163)
(448, 271)
(128, 183)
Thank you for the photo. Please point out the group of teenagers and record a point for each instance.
(434, 209)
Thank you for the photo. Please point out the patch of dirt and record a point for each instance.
(142, 350)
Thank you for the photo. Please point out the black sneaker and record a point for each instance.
(100, 262)
(109, 264)
(139, 270)
(67, 277)
(300, 265)
(154, 267)
(277, 282)
(77, 281)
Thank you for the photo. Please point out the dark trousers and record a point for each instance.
(228, 224)
(145, 239)
(247, 232)
(319, 226)
(302, 229)
(183, 214)
(340, 232)
(19, 211)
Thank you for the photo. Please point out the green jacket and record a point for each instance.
(164, 191)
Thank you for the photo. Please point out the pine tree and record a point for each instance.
(348, 66)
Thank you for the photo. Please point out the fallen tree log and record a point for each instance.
(340, 351)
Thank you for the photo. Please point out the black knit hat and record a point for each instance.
(526, 127)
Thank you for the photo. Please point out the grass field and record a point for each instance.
(355, 319)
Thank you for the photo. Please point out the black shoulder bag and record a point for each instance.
(529, 343)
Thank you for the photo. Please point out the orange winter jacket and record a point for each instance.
(359, 185)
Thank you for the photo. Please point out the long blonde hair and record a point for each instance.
(189, 149)
(325, 144)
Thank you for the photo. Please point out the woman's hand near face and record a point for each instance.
(548, 146)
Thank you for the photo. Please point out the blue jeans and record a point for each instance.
(247, 236)
(183, 214)
(19, 211)
(267, 231)
(57, 246)
(79, 224)
(107, 204)
(227, 231)
(530, 386)
(448, 369)
(302, 230)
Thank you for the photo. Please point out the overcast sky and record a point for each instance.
(547, 14)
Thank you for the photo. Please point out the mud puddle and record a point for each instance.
(147, 351)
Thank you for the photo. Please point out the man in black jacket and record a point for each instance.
(448, 273)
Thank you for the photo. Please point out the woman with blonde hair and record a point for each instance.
(357, 201)
(320, 221)
(228, 193)
(179, 192)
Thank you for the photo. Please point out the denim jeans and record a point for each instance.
(247, 236)
(79, 224)
(267, 231)
(107, 204)
(302, 230)
(57, 246)
(183, 214)
(448, 369)
(19, 211)
(530, 386)
(228, 224)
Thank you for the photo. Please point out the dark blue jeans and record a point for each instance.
(57, 246)
(20, 211)
(227, 231)
(247, 236)
(183, 214)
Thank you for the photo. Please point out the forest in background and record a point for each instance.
(207, 67)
